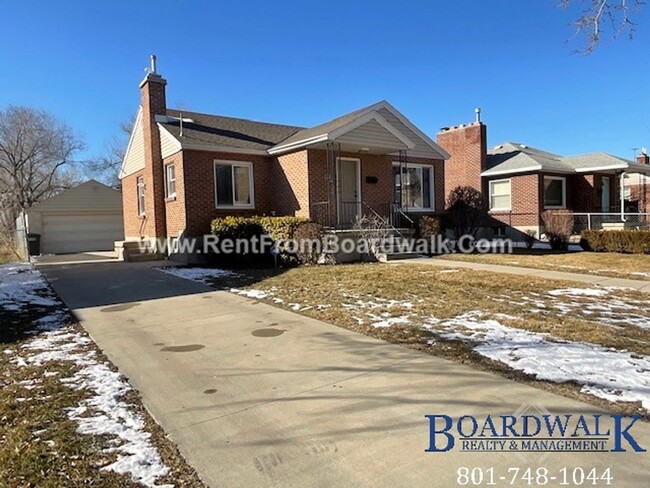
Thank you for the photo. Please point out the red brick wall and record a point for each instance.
(133, 223)
(377, 195)
(291, 184)
(468, 149)
(152, 98)
(636, 195)
(200, 200)
(175, 207)
(525, 201)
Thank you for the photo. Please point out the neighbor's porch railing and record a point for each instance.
(595, 220)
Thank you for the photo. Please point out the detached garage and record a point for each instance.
(85, 218)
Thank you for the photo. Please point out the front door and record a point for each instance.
(605, 194)
(348, 202)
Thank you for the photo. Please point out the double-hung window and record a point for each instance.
(140, 192)
(233, 183)
(413, 186)
(500, 195)
(170, 181)
(554, 192)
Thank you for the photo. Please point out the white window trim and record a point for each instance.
(563, 179)
(500, 209)
(432, 188)
(251, 183)
(139, 184)
(167, 181)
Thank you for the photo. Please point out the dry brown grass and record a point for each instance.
(630, 266)
(323, 292)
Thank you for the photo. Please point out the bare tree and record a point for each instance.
(604, 15)
(35, 159)
(106, 167)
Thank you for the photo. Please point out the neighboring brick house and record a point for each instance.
(519, 182)
(637, 187)
(183, 169)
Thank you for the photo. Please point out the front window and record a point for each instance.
(233, 184)
(413, 186)
(170, 180)
(554, 192)
(140, 190)
(500, 195)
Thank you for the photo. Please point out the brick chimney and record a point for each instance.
(152, 101)
(643, 158)
(467, 145)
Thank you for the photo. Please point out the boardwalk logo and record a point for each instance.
(534, 433)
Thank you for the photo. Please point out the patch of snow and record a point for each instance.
(381, 322)
(136, 455)
(252, 293)
(111, 414)
(449, 271)
(604, 372)
(21, 285)
(202, 275)
(590, 292)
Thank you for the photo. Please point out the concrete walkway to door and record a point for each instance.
(257, 396)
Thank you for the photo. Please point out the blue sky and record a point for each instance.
(306, 62)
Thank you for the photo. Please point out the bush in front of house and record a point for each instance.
(621, 241)
(558, 225)
(310, 234)
(465, 207)
(279, 228)
(246, 228)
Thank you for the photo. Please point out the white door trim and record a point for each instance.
(338, 185)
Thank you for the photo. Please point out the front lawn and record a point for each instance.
(630, 266)
(68, 418)
(587, 343)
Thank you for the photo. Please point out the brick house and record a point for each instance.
(183, 169)
(519, 182)
(637, 187)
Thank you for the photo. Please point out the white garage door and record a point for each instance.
(80, 233)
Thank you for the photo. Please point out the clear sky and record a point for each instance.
(305, 62)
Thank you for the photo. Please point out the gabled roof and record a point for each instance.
(384, 113)
(217, 130)
(90, 195)
(512, 158)
(392, 131)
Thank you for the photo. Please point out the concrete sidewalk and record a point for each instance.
(639, 285)
(257, 396)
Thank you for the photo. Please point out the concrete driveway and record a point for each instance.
(257, 396)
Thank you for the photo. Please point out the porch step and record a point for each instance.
(136, 251)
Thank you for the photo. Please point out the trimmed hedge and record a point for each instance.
(279, 228)
(622, 241)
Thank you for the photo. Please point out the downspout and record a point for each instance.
(622, 195)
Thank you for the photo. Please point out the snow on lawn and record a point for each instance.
(604, 372)
(21, 285)
(251, 293)
(602, 305)
(105, 411)
(202, 275)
